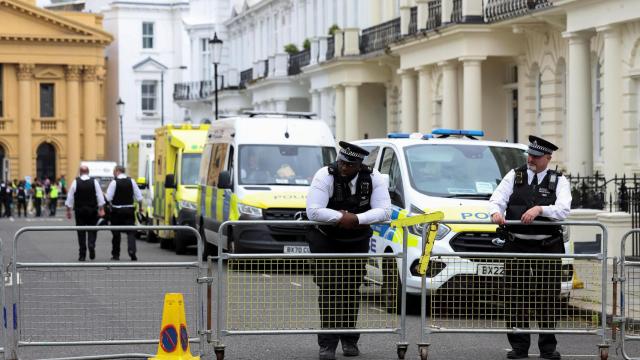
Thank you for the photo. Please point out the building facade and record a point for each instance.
(52, 90)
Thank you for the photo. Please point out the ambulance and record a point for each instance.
(259, 167)
(178, 149)
(140, 168)
(449, 171)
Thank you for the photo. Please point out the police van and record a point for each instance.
(449, 171)
(259, 167)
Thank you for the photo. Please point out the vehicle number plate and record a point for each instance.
(490, 270)
(289, 249)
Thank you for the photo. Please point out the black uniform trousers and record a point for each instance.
(533, 291)
(338, 283)
(37, 203)
(123, 216)
(22, 207)
(86, 217)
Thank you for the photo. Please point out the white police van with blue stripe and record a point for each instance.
(449, 171)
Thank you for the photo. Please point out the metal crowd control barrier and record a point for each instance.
(4, 327)
(270, 294)
(97, 300)
(629, 297)
(482, 292)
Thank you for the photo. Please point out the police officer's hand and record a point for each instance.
(348, 220)
(531, 214)
(497, 218)
(101, 212)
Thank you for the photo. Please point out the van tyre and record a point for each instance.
(166, 244)
(179, 242)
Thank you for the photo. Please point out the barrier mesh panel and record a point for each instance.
(632, 298)
(97, 304)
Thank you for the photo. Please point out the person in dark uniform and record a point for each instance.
(351, 196)
(121, 193)
(528, 193)
(21, 197)
(86, 199)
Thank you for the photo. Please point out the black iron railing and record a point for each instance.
(245, 77)
(456, 14)
(435, 14)
(413, 20)
(298, 61)
(380, 36)
(195, 90)
(331, 47)
(588, 192)
(496, 10)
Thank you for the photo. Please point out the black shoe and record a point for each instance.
(92, 254)
(81, 258)
(513, 354)
(350, 349)
(115, 258)
(134, 257)
(326, 353)
(551, 355)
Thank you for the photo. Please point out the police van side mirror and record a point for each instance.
(224, 180)
(170, 181)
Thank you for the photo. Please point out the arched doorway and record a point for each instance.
(46, 161)
(3, 165)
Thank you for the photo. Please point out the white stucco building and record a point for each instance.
(150, 53)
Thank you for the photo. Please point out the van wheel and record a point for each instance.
(166, 244)
(151, 236)
(391, 286)
(179, 243)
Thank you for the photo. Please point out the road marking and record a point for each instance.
(376, 309)
(295, 284)
(563, 354)
(8, 279)
(266, 275)
(12, 219)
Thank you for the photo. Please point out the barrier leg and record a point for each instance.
(219, 350)
(423, 349)
(402, 350)
(604, 351)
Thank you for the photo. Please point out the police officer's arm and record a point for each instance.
(99, 197)
(111, 190)
(70, 199)
(500, 198)
(137, 194)
(320, 191)
(380, 202)
(561, 208)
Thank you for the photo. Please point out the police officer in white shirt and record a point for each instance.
(121, 193)
(87, 201)
(528, 193)
(352, 196)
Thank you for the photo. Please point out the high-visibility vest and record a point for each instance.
(39, 192)
(54, 192)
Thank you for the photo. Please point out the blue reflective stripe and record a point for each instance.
(226, 205)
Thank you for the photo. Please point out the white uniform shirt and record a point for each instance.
(558, 211)
(72, 191)
(322, 189)
(111, 191)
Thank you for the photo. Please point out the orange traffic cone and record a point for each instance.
(174, 338)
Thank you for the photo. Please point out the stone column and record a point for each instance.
(613, 141)
(352, 130)
(315, 102)
(388, 10)
(579, 113)
(73, 118)
(339, 109)
(423, 13)
(446, 11)
(425, 100)
(405, 17)
(449, 94)
(90, 113)
(472, 92)
(25, 153)
(409, 120)
(375, 12)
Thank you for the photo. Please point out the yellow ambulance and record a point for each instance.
(178, 149)
(259, 167)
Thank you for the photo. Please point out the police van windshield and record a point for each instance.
(190, 169)
(281, 164)
(455, 170)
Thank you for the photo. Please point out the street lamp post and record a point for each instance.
(120, 105)
(216, 53)
(182, 67)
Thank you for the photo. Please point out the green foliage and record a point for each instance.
(307, 44)
(333, 28)
(291, 49)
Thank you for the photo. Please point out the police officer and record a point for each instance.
(53, 199)
(528, 193)
(38, 195)
(351, 196)
(121, 193)
(21, 197)
(86, 199)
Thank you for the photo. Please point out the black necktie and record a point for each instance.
(534, 182)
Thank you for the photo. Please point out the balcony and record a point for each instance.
(435, 14)
(378, 37)
(245, 77)
(456, 14)
(195, 90)
(413, 22)
(298, 61)
(331, 47)
(497, 10)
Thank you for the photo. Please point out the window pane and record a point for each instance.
(46, 100)
(148, 96)
(147, 35)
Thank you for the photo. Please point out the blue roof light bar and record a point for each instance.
(458, 132)
(399, 135)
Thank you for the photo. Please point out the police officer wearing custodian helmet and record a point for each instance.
(528, 193)
(352, 196)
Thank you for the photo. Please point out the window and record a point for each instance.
(147, 35)
(46, 100)
(370, 160)
(390, 166)
(206, 59)
(149, 97)
(216, 163)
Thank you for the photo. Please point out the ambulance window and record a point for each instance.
(390, 166)
(216, 163)
(204, 164)
(370, 160)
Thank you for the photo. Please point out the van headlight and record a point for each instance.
(187, 205)
(443, 230)
(249, 210)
